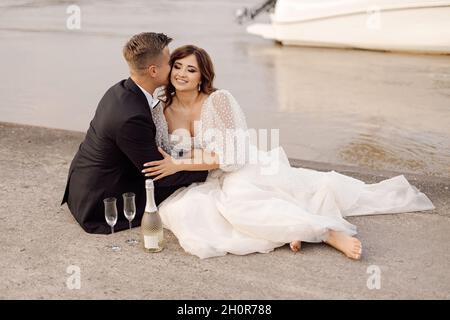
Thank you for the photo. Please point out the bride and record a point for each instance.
(252, 200)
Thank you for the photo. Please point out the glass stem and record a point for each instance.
(129, 223)
(112, 230)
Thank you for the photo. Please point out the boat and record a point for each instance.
(387, 25)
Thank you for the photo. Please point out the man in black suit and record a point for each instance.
(121, 138)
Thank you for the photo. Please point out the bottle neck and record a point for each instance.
(150, 205)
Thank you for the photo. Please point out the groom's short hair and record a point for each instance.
(143, 49)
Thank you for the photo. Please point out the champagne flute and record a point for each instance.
(129, 209)
(111, 218)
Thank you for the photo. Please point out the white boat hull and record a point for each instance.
(412, 29)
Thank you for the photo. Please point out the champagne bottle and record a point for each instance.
(151, 224)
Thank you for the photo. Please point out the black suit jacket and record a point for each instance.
(120, 139)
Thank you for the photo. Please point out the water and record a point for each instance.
(370, 109)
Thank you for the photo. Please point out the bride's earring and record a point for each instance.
(199, 86)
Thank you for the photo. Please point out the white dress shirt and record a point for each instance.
(151, 101)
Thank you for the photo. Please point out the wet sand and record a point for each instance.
(40, 240)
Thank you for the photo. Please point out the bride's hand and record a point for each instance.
(162, 168)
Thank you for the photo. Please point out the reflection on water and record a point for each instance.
(378, 110)
(423, 152)
(371, 109)
(372, 154)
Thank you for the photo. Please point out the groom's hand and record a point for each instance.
(162, 168)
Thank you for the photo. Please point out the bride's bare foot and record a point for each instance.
(350, 246)
(296, 245)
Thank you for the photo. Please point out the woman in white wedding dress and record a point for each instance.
(253, 200)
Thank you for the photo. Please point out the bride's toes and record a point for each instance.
(295, 245)
(348, 245)
(353, 248)
(357, 250)
(356, 255)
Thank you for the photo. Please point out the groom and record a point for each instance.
(121, 138)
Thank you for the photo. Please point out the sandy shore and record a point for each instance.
(40, 240)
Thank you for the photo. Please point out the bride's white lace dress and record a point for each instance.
(257, 205)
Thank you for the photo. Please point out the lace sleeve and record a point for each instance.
(162, 131)
(224, 130)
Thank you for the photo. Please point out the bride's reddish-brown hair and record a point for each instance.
(204, 63)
